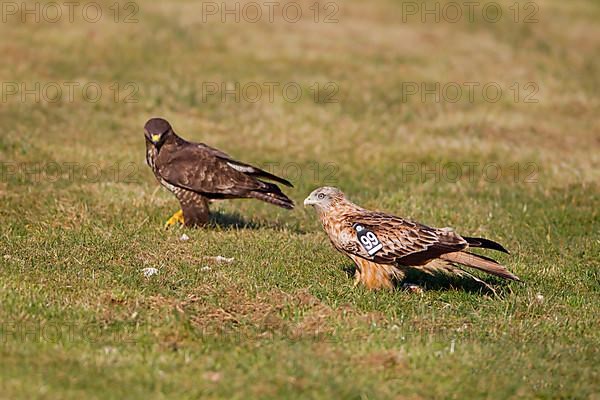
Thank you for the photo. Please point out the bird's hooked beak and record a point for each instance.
(155, 139)
(308, 201)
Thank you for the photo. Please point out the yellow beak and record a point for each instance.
(155, 138)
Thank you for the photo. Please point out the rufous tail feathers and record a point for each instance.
(481, 263)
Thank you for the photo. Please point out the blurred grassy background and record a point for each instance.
(78, 318)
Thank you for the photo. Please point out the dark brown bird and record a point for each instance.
(196, 173)
(383, 245)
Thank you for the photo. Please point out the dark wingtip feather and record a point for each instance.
(267, 175)
(486, 244)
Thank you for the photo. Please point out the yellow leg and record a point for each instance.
(356, 277)
(175, 218)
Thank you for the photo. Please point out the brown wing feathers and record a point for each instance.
(256, 172)
(243, 167)
(214, 174)
(407, 242)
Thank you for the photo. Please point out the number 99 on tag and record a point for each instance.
(368, 239)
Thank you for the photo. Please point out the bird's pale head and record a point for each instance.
(156, 130)
(324, 198)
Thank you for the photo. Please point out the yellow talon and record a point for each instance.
(175, 218)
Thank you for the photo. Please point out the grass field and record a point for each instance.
(82, 214)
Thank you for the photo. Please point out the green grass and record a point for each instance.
(79, 320)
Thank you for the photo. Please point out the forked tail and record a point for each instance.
(481, 263)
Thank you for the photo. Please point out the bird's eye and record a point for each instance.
(321, 196)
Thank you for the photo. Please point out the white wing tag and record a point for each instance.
(367, 239)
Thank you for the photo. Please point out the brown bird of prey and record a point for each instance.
(383, 246)
(196, 173)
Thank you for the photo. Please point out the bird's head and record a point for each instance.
(324, 197)
(156, 130)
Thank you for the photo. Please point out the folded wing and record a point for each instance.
(404, 242)
(215, 175)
